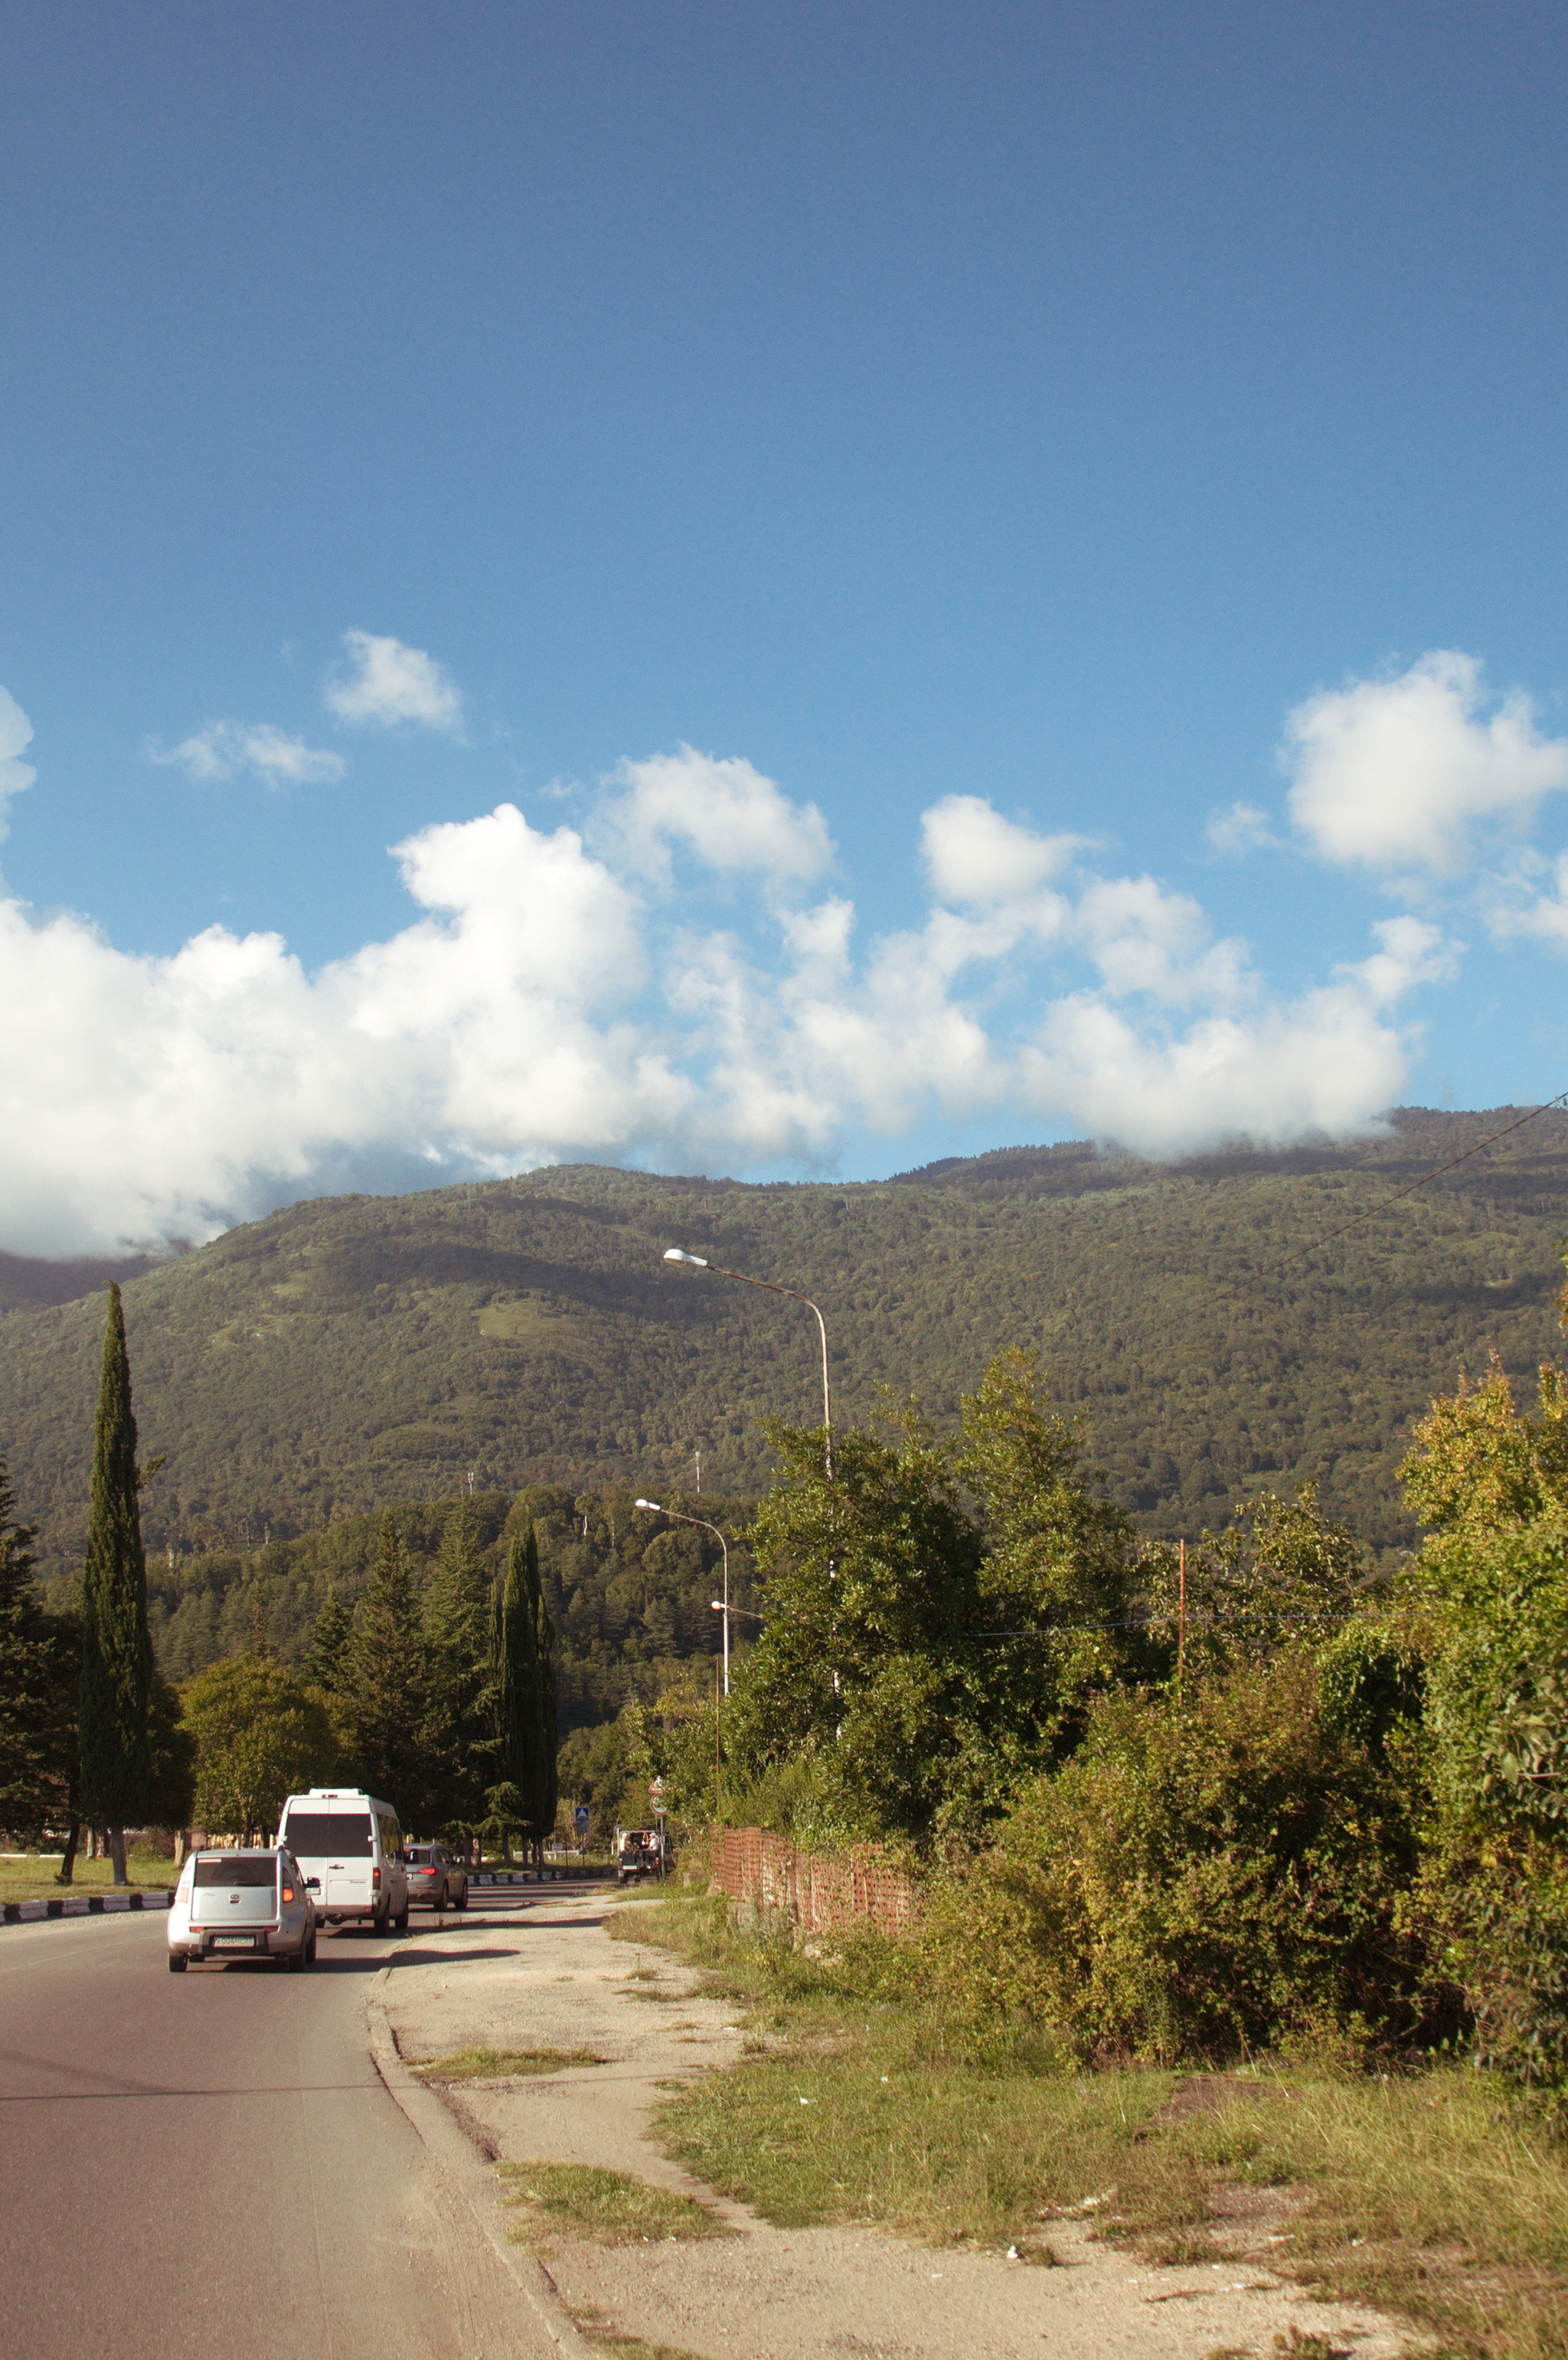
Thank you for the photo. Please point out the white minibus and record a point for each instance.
(350, 1850)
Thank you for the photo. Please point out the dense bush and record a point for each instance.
(1197, 1880)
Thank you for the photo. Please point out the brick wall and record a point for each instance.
(812, 1892)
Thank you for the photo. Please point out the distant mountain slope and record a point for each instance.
(357, 1348)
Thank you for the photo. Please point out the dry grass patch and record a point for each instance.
(618, 2345)
(610, 2207)
(503, 2064)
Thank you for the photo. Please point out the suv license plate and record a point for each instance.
(233, 1941)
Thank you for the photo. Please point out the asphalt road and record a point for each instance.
(209, 2164)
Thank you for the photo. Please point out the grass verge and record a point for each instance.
(609, 2207)
(1436, 2194)
(503, 2064)
(31, 1877)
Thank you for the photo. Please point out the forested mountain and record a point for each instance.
(358, 1349)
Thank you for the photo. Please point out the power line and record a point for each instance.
(1399, 1194)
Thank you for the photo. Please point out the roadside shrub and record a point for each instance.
(1494, 1887)
(1198, 1881)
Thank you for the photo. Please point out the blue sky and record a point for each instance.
(1009, 414)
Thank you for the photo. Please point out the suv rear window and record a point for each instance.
(328, 1835)
(240, 1868)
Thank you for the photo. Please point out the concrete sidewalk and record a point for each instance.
(775, 2294)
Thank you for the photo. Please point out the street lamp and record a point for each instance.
(656, 1508)
(696, 1261)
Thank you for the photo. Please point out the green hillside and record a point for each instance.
(629, 1594)
(358, 1349)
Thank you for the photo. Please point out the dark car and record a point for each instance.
(434, 1878)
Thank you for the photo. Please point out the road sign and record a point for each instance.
(657, 1789)
(580, 1816)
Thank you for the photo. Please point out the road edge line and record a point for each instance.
(457, 2156)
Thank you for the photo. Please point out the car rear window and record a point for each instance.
(322, 1835)
(239, 1868)
(420, 1854)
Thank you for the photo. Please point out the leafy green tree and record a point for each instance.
(1486, 1600)
(257, 1737)
(458, 1614)
(1480, 1463)
(938, 1615)
(116, 1652)
(1283, 1573)
(868, 1662)
(1056, 1579)
(595, 1767)
(171, 1789)
(385, 1704)
(526, 1732)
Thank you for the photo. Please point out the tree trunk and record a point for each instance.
(117, 1852)
(68, 1865)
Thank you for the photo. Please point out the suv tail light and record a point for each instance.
(375, 1880)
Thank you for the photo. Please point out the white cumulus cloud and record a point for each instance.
(556, 994)
(1241, 829)
(1402, 774)
(723, 813)
(16, 736)
(387, 683)
(226, 748)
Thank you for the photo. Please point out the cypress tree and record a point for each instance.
(526, 1734)
(116, 1653)
(463, 1677)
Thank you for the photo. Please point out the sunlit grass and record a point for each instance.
(503, 2064)
(610, 2207)
(32, 1878)
(1437, 2192)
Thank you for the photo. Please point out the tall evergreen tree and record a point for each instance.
(386, 1705)
(116, 1653)
(326, 1658)
(525, 1706)
(462, 1673)
(39, 1660)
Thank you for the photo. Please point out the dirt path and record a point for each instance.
(777, 2294)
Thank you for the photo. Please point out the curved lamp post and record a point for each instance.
(657, 1508)
(696, 1261)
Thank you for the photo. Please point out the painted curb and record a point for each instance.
(85, 1905)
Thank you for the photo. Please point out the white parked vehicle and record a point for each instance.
(350, 1847)
(243, 1905)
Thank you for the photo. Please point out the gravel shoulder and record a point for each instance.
(561, 1984)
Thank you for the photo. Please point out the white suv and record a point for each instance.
(349, 1846)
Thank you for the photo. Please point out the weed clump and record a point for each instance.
(609, 2207)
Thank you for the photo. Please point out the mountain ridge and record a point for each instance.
(345, 1351)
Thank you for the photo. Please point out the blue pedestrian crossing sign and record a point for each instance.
(580, 1816)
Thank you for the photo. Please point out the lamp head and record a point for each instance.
(718, 1605)
(648, 1503)
(674, 1253)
